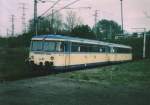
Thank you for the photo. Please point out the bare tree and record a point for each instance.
(72, 20)
(56, 21)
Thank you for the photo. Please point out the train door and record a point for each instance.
(107, 51)
(113, 55)
(67, 50)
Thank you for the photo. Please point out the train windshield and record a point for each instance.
(47, 46)
(37, 45)
(50, 46)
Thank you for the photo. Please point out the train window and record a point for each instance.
(112, 50)
(84, 48)
(78, 48)
(49, 46)
(127, 50)
(122, 50)
(58, 44)
(64, 47)
(93, 48)
(100, 49)
(104, 49)
(37, 46)
(75, 47)
(107, 49)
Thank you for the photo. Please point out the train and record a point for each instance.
(65, 52)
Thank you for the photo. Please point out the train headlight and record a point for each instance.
(52, 58)
(32, 57)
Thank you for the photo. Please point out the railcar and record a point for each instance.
(57, 52)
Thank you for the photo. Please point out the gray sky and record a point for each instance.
(109, 9)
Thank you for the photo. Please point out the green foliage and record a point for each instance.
(44, 26)
(13, 63)
(20, 41)
(83, 31)
(106, 29)
(3, 42)
(126, 73)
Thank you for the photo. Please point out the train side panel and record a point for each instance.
(64, 59)
(119, 57)
(78, 59)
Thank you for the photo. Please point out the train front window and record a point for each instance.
(37, 46)
(49, 46)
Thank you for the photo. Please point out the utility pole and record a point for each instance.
(23, 17)
(144, 44)
(35, 15)
(35, 18)
(110, 32)
(96, 15)
(12, 25)
(122, 28)
(52, 20)
(7, 32)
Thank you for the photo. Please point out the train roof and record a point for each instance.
(75, 39)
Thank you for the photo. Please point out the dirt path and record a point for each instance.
(51, 90)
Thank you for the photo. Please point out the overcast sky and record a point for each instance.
(134, 12)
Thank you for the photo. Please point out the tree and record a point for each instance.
(83, 31)
(43, 25)
(135, 34)
(106, 29)
(71, 21)
(51, 24)
(56, 22)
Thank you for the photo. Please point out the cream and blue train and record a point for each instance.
(57, 51)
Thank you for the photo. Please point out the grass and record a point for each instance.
(13, 67)
(131, 72)
(13, 63)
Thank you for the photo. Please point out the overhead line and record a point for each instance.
(50, 8)
(79, 8)
(64, 7)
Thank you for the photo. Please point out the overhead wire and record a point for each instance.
(50, 8)
(60, 8)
